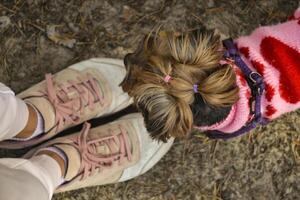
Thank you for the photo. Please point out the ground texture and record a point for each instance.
(39, 36)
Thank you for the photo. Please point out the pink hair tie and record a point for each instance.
(195, 88)
(167, 78)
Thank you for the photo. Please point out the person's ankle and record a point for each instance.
(58, 157)
(31, 123)
(34, 126)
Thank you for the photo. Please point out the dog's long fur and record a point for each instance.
(173, 108)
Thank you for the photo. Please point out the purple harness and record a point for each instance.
(257, 86)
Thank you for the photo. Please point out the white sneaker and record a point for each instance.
(111, 153)
(83, 91)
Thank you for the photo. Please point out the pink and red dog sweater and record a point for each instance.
(274, 52)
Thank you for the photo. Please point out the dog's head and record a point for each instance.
(198, 91)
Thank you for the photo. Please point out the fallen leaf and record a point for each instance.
(58, 38)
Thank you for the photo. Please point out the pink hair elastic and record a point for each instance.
(195, 88)
(167, 78)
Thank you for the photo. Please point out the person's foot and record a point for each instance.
(83, 91)
(112, 153)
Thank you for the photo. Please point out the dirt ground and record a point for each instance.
(39, 36)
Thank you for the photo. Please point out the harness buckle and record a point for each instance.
(256, 83)
(252, 78)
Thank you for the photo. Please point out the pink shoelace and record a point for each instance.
(91, 159)
(65, 112)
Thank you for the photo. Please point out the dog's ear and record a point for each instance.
(127, 60)
(127, 82)
(135, 61)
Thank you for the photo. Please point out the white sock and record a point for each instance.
(39, 128)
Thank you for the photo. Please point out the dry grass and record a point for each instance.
(262, 165)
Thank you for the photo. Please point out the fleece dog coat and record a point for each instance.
(274, 52)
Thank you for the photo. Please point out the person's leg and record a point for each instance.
(14, 114)
(32, 179)
(18, 184)
(19, 120)
(37, 177)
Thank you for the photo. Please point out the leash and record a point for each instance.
(257, 86)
